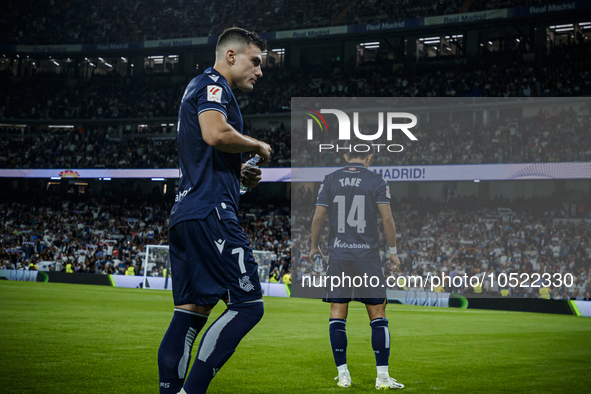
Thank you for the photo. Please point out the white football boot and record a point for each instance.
(344, 379)
(386, 382)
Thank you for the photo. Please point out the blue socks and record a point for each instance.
(219, 343)
(380, 340)
(174, 353)
(338, 340)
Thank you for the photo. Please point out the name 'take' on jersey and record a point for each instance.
(351, 195)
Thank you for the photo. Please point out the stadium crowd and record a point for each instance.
(89, 236)
(81, 22)
(89, 149)
(103, 147)
(270, 230)
(551, 136)
(562, 73)
(109, 234)
(51, 96)
(469, 236)
(103, 235)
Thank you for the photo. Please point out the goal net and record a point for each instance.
(156, 263)
(263, 259)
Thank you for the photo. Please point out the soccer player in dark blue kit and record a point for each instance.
(211, 258)
(353, 196)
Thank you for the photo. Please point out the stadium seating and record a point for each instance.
(100, 236)
(468, 235)
(525, 141)
(81, 22)
(564, 72)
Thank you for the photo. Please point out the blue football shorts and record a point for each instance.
(211, 259)
(360, 272)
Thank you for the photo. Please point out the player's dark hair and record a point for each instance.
(241, 35)
(358, 155)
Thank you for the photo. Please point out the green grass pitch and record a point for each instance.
(58, 338)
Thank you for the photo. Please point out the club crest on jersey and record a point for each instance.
(245, 283)
(214, 93)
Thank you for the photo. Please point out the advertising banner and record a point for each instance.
(465, 18)
(464, 172)
(177, 42)
(418, 297)
(19, 275)
(269, 174)
(133, 281)
(390, 25)
(311, 33)
(161, 283)
(546, 8)
(582, 308)
(50, 49)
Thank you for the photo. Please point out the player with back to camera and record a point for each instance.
(211, 258)
(352, 196)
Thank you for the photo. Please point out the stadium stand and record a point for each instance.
(78, 22)
(473, 237)
(105, 233)
(462, 235)
(563, 72)
(372, 11)
(527, 140)
(89, 149)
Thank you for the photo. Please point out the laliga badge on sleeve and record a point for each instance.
(214, 93)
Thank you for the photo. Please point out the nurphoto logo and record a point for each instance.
(344, 131)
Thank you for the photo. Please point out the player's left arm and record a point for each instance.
(317, 225)
(390, 231)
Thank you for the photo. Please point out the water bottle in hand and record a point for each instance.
(318, 260)
(249, 164)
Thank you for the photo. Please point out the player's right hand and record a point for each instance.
(314, 252)
(394, 262)
(264, 150)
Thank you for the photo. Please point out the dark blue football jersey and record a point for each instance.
(207, 175)
(351, 195)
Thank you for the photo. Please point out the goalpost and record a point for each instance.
(156, 258)
(263, 259)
